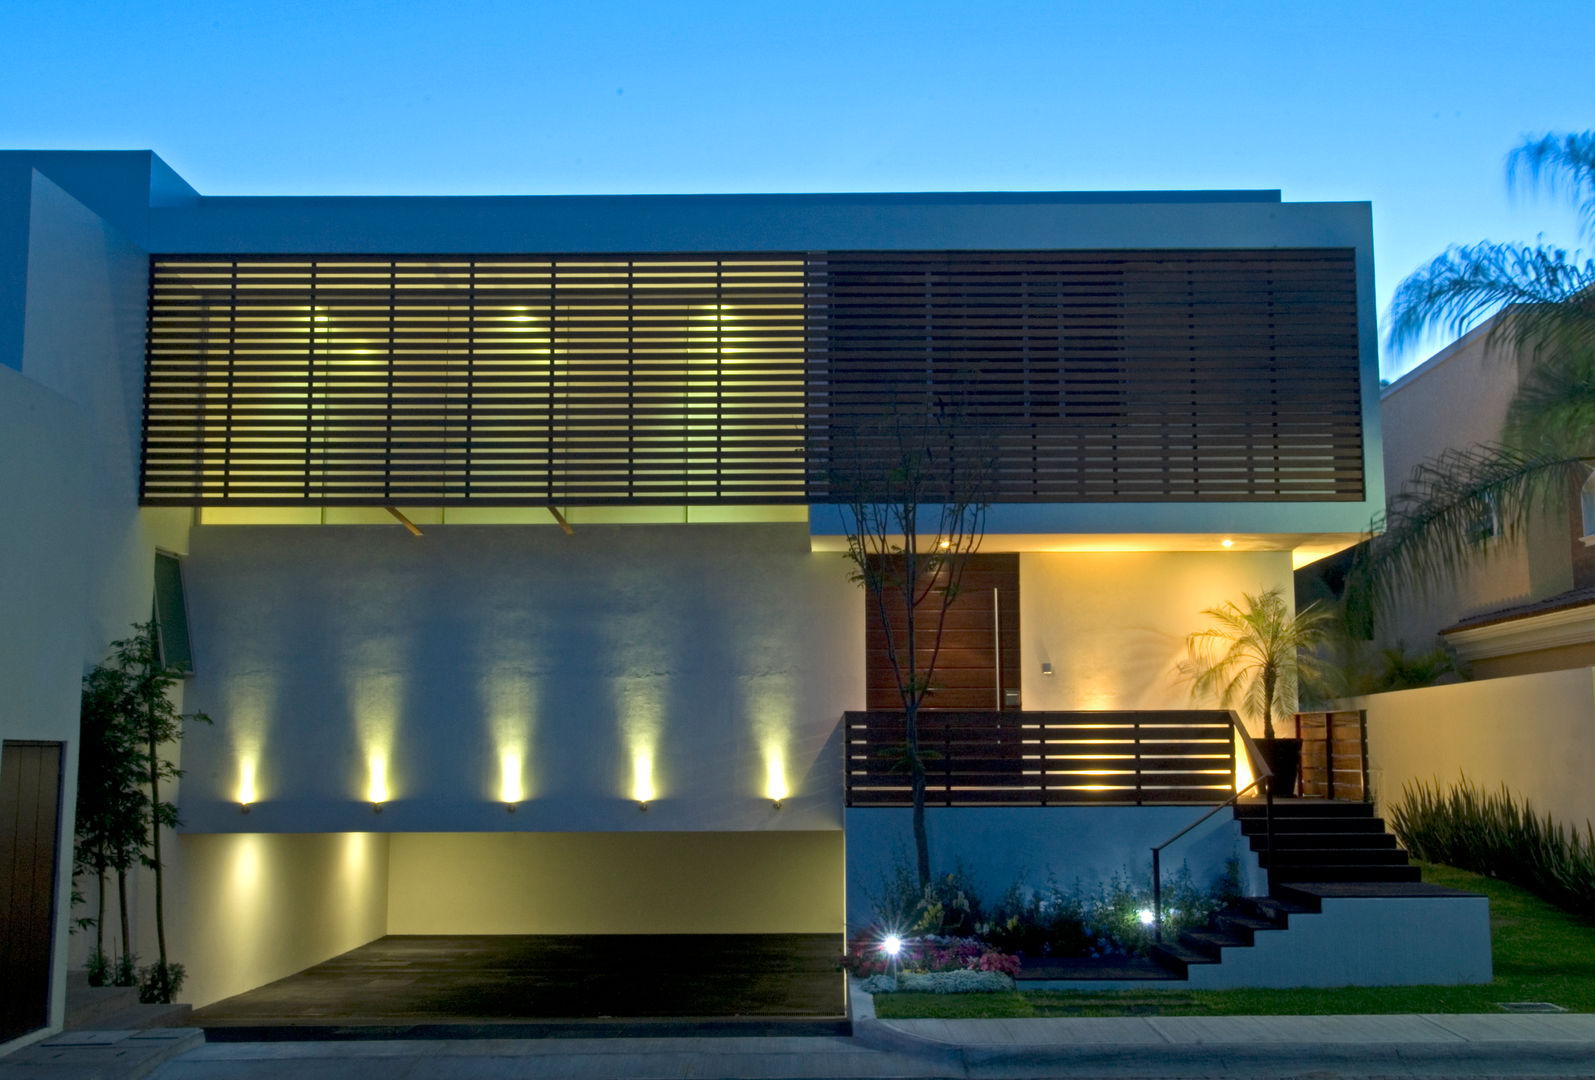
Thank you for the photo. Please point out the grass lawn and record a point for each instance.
(1541, 954)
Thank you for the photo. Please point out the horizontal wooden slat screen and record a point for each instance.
(1118, 376)
(498, 381)
(727, 378)
(990, 758)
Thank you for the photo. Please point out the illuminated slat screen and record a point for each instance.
(724, 378)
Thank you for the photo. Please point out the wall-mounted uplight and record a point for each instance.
(246, 784)
(510, 779)
(377, 794)
(775, 779)
(642, 779)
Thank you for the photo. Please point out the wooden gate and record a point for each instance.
(1334, 754)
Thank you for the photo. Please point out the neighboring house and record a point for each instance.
(501, 726)
(1529, 604)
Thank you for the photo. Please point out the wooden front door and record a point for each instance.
(978, 667)
(30, 823)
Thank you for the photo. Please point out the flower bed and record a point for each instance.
(930, 963)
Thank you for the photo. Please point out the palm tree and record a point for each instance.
(1542, 301)
(1257, 656)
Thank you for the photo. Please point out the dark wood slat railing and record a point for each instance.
(990, 758)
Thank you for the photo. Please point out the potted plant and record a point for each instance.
(1253, 659)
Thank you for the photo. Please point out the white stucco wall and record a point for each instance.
(1535, 733)
(79, 552)
(710, 650)
(1113, 624)
(255, 907)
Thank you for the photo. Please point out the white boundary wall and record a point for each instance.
(1535, 733)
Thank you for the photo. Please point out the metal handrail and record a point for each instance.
(1261, 774)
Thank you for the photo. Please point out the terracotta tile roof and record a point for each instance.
(1561, 602)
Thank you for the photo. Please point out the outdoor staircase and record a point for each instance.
(1320, 846)
(1323, 840)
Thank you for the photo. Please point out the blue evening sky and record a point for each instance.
(1411, 106)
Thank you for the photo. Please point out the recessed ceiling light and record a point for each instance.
(1227, 542)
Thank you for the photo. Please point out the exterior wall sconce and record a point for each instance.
(775, 782)
(379, 783)
(642, 780)
(510, 780)
(1046, 669)
(246, 786)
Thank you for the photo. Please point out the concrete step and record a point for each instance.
(1178, 958)
(87, 1005)
(1289, 874)
(1278, 910)
(1258, 826)
(1295, 856)
(1305, 808)
(115, 1008)
(1367, 838)
(1212, 943)
(1242, 926)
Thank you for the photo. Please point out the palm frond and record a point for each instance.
(1444, 517)
(1235, 660)
(1560, 164)
(1547, 290)
(1553, 410)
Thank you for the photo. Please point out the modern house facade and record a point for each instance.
(511, 561)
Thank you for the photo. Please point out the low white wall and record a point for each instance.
(1535, 733)
(998, 846)
(616, 883)
(249, 908)
(1383, 941)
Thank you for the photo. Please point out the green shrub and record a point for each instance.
(947, 907)
(1108, 920)
(1501, 837)
(159, 983)
(1036, 922)
(98, 968)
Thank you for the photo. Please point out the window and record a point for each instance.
(171, 614)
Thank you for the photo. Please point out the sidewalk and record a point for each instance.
(1128, 1047)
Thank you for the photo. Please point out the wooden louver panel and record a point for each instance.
(433, 381)
(1101, 376)
(730, 378)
